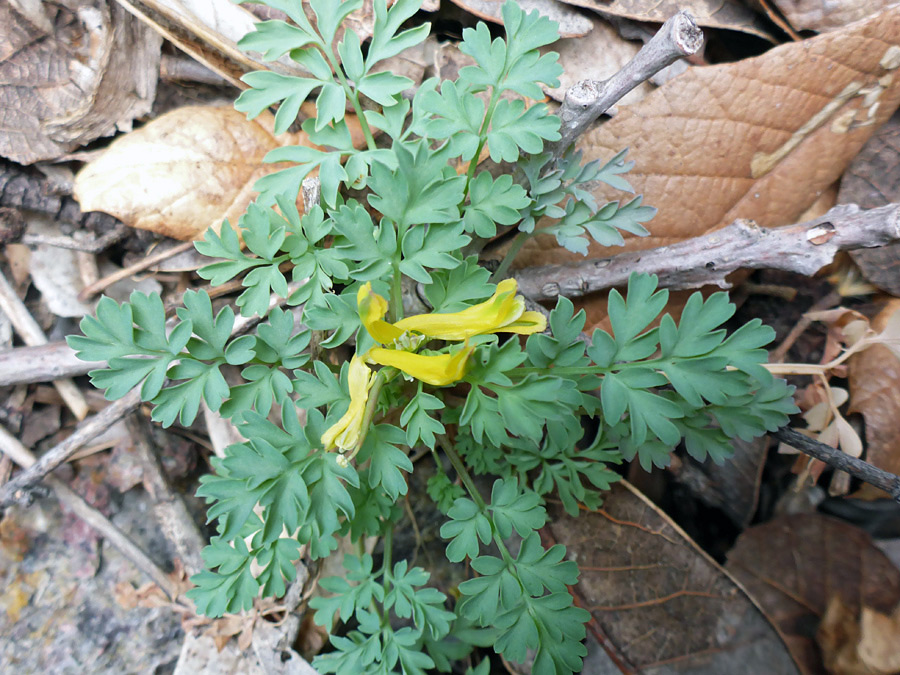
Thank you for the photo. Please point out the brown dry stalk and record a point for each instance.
(804, 248)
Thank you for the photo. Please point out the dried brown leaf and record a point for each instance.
(874, 376)
(712, 13)
(879, 637)
(88, 70)
(661, 603)
(795, 564)
(825, 15)
(838, 637)
(183, 172)
(572, 23)
(758, 139)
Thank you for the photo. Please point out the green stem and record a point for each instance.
(564, 371)
(655, 364)
(388, 540)
(482, 138)
(469, 484)
(518, 241)
(351, 94)
(395, 308)
(463, 473)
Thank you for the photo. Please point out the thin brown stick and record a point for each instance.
(779, 354)
(13, 448)
(32, 335)
(775, 17)
(804, 248)
(841, 461)
(139, 266)
(18, 488)
(587, 100)
(176, 522)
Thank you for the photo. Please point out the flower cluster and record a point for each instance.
(503, 312)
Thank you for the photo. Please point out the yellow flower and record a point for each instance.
(372, 308)
(345, 432)
(503, 312)
(438, 370)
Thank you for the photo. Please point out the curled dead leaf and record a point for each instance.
(874, 376)
(183, 172)
(879, 637)
(70, 74)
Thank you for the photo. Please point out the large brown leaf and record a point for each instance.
(183, 172)
(712, 13)
(794, 565)
(825, 15)
(659, 603)
(759, 139)
(71, 72)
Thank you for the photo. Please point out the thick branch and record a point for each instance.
(841, 461)
(587, 100)
(804, 248)
(42, 363)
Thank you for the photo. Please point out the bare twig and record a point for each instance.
(139, 266)
(77, 243)
(42, 363)
(32, 335)
(19, 487)
(587, 100)
(804, 248)
(12, 447)
(841, 461)
(176, 522)
(779, 354)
